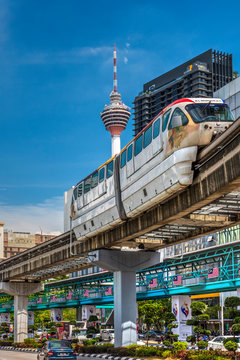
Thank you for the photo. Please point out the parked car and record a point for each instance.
(39, 332)
(57, 350)
(217, 343)
(153, 335)
(82, 334)
(107, 334)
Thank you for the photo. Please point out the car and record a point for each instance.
(81, 334)
(153, 335)
(57, 350)
(107, 334)
(39, 332)
(217, 342)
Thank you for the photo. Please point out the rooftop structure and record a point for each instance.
(116, 115)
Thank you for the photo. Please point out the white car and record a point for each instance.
(39, 332)
(107, 334)
(217, 342)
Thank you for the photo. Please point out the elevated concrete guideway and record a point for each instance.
(210, 204)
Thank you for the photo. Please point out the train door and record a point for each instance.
(130, 161)
(157, 144)
(80, 201)
(102, 188)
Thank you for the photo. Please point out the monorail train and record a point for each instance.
(156, 164)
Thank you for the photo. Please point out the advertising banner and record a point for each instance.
(56, 315)
(181, 309)
(87, 311)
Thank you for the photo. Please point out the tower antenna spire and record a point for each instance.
(116, 115)
(115, 69)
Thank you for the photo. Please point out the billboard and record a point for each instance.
(57, 315)
(181, 309)
(87, 311)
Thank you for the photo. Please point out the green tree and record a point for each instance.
(231, 304)
(199, 319)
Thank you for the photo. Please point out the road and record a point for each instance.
(16, 355)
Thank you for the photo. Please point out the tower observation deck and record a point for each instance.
(116, 115)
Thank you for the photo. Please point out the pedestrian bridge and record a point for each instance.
(210, 204)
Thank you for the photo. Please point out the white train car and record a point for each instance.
(153, 166)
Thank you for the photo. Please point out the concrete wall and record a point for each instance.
(231, 94)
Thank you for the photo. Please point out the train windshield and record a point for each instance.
(209, 112)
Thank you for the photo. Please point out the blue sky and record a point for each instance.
(56, 76)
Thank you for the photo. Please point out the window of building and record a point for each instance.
(147, 137)
(109, 169)
(138, 143)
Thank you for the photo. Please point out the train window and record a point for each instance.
(147, 137)
(138, 145)
(156, 128)
(80, 190)
(129, 153)
(75, 193)
(180, 117)
(101, 174)
(165, 120)
(87, 185)
(109, 169)
(94, 180)
(123, 158)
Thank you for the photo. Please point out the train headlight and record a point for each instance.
(205, 126)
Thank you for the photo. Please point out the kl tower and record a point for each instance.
(116, 115)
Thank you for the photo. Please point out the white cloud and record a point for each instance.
(74, 55)
(46, 216)
(125, 59)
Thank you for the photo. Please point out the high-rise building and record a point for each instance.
(116, 115)
(198, 77)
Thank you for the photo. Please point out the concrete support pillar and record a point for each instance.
(181, 309)
(20, 291)
(126, 310)
(124, 264)
(20, 318)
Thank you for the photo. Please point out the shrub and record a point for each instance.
(146, 351)
(191, 339)
(236, 329)
(180, 345)
(231, 346)
(202, 345)
(167, 343)
(230, 339)
(166, 354)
